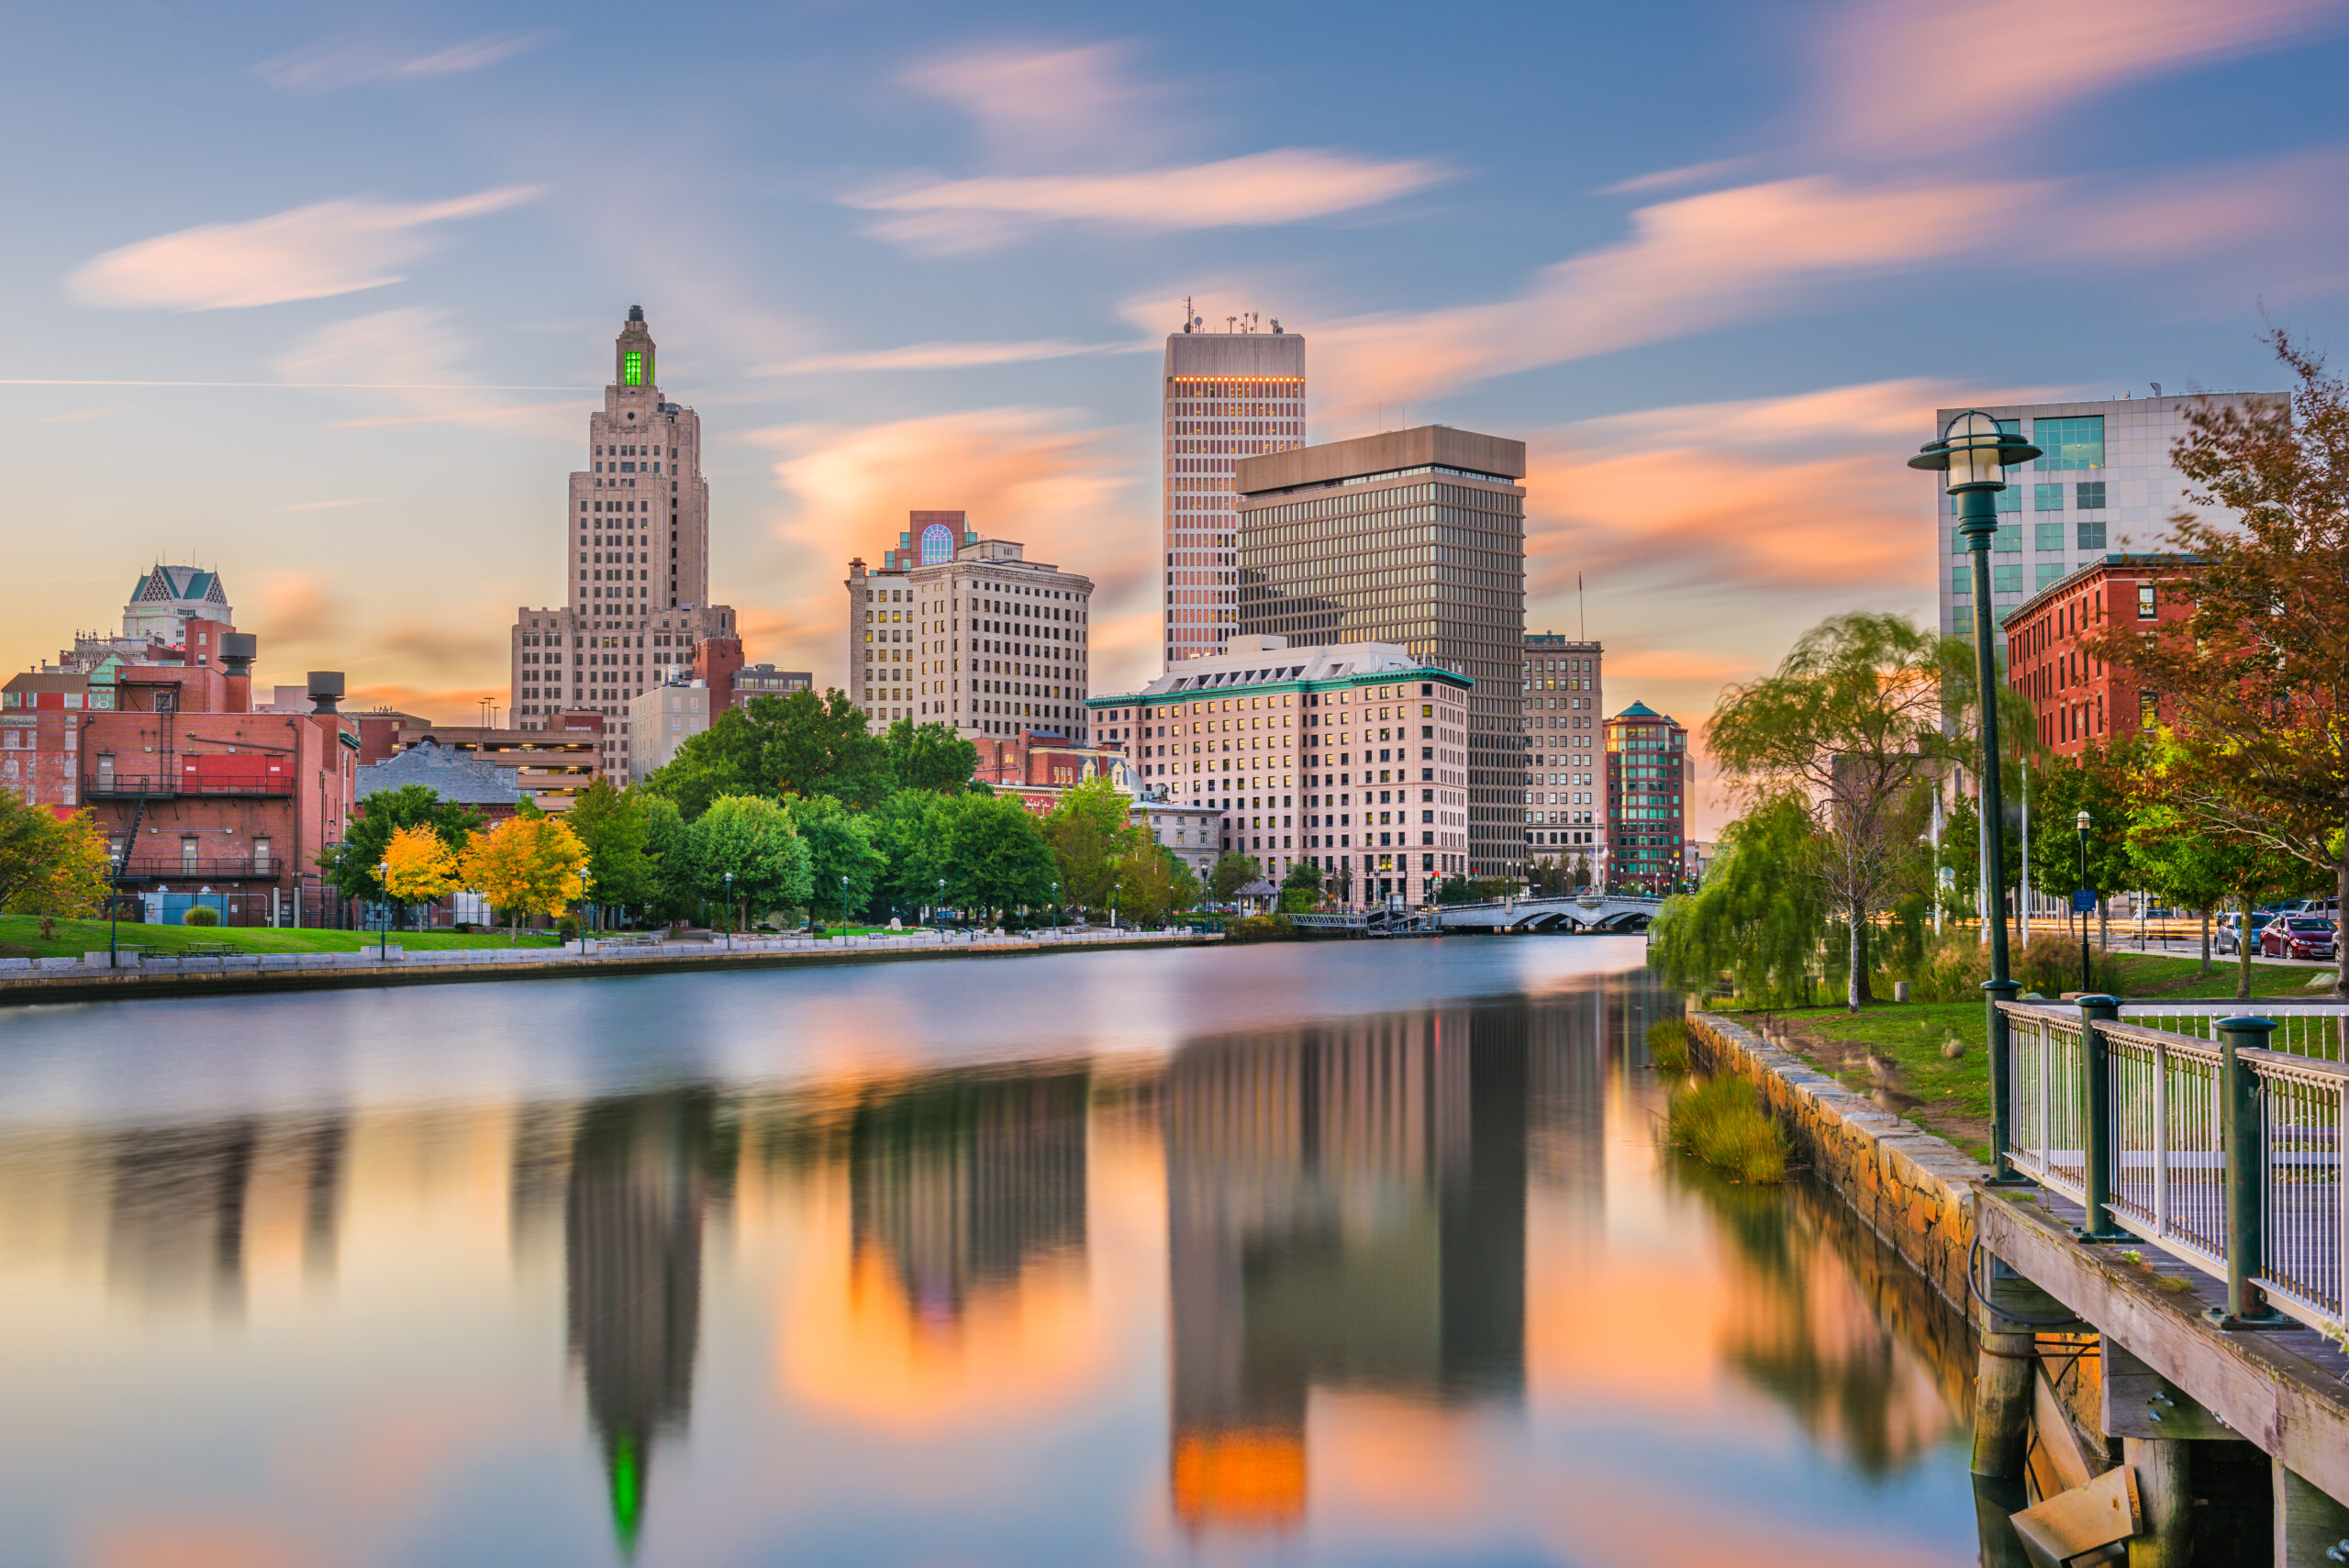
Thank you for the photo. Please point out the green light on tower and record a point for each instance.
(632, 368)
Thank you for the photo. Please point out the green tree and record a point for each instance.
(1301, 889)
(929, 756)
(753, 839)
(1089, 829)
(668, 843)
(2192, 860)
(840, 846)
(1152, 882)
(991, 853)
(57, 870)
(773, 746)
(383, 814)
(906, 831)
(614, 825)
(1753, 919)
(2249, 678)
(1846, 728)
(1231, 871)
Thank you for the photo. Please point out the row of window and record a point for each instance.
(2088, 534)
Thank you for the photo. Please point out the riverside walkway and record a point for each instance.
(91, 977)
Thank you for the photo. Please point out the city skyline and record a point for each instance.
(333, 336)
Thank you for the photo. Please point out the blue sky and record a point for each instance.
(1715, 264)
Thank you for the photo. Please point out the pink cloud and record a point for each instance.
(1285, 185)
(1907, 78)
(1029, 103)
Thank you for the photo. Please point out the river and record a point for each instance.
(1359, 1254)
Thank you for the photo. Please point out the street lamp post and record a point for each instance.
(384, 881)
(2082, 822)
(941, 904)
(843, 903)
(1972, 452)
(1056, 906)
(730, 911)
(585, 945)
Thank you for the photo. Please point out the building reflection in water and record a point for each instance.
(1346, 1207)
(634, 1207)
(957, 1181)
(188, 1207)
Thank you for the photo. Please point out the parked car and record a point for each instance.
(2226, 934)
(2297, 936)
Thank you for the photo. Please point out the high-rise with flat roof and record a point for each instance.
(636, 562)
(1565, 750)
(2106, 485)
(1227, 396)
(1415, 537)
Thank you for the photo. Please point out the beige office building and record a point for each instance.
(663, 719)
(966, 631)
(636, 562)
(1227, 396)
(1565, 750)
(1354, 758)
(1414, 537)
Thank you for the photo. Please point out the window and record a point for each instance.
(2047, 538)
(2077, 441)
(2091, 494)
(2006, 579)
(2050, 573)
(2009, 539)
(2145, 601)
(2091, 532)
(2047, 497)
(2007, 500)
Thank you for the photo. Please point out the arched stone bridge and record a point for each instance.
(1583, 912)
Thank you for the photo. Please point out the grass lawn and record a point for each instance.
(1892, 1052)
(20, 938)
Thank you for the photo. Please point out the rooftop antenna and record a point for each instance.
(1187, 318)
(1231, 323)
(1582, 616)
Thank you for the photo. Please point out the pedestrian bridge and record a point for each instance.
(1573, 912)
(1580, 912)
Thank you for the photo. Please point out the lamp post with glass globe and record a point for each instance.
(2082, 822)
(941, 904)
(1972, 452)
(586, 944)
(730, 911)
(384, 881)
(843, 903)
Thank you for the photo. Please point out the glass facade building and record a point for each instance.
(1414, 537)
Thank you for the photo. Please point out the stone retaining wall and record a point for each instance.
(1912, 1189)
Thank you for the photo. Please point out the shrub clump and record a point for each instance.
(201, 915)
(1668, 1044)
(1722, 1122)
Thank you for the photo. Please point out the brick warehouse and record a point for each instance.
(205, 800)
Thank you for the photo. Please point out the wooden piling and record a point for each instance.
(2311, 1528)
(2002, 1403)
(2166, 1495)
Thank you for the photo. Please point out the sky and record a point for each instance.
(321, 296)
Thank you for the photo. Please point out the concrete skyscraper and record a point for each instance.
(1228, 395)
(636, 562)
(1416, 537)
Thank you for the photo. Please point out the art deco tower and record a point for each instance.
(636, 561)
(1227, 396)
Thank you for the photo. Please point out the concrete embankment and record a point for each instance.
(91, 977)
(1912, 1189)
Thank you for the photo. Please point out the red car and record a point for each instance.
(2296, 935)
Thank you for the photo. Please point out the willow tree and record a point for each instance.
(1850, 729)
(1750, 920)
(2252, 678)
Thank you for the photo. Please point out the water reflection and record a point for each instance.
(1415, 1285)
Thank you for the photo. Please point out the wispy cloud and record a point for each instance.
(1030, 104)
(332, 64)
(76, 415)
(415, 358)
(1893, 88)
(310, 252)
(1671, 179)
(1688, 265)
(1286, 186)
(945, 356)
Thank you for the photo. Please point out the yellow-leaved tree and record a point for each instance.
(423, 870)
(525, 865)
(49, 868)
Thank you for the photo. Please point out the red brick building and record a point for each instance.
(203, 798)
(1037, 766)
(40, 714)
(2077, 700)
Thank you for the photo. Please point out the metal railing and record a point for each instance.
(165, 868)
(2303, 1029)
(118, 786)
(2223, 1153)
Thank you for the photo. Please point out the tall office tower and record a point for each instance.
(2105, 484)
(1413, 536)
(957, 629)
(636, 562)
(1228, 396)
(1566, 755)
